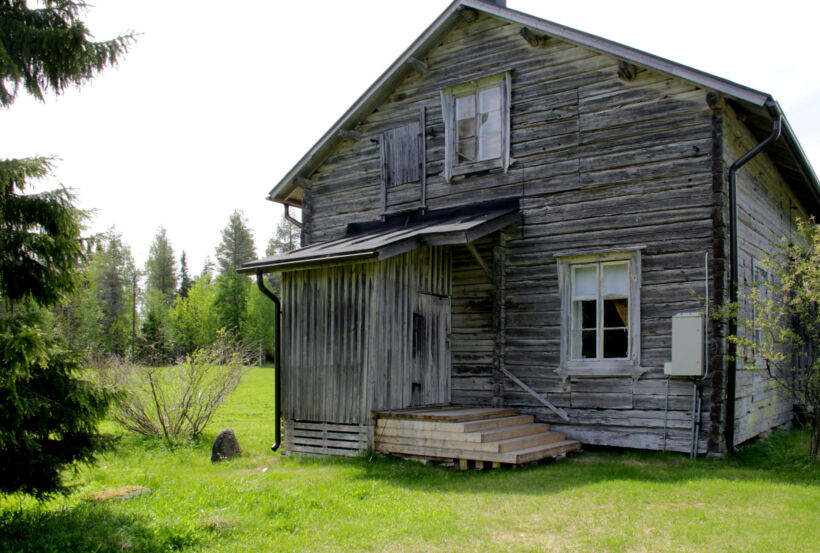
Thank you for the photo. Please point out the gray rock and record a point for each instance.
(225, 446)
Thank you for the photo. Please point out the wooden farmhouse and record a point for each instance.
(508, 242)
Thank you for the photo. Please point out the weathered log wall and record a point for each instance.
(766, 212)
(599, 163)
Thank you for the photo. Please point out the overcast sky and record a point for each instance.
(218, 100)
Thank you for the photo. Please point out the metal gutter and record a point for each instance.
(277, 361)
(731, 377)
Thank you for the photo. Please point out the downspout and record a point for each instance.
(277, 361)
(731, 377)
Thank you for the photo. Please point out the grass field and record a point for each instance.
(766, 501)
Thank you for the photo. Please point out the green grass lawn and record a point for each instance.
(766, 501)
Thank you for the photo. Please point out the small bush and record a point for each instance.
(173, 402)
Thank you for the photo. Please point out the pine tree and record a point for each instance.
(287, 237)
(161, 267)
(48, 414)
(185, 281)
(237, 245)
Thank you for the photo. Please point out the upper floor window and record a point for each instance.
(600, 313)
(477, 125)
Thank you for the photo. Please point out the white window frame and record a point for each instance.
(630, 365)
(448, 105)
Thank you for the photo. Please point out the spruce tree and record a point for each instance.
(185, 281)
(113, 271)
(161, 267)
(237, 245)
(48, 413)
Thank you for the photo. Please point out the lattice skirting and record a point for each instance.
(319, 439)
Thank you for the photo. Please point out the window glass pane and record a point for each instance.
(583, 344)
(616, 280)
(489, 133)
(585, 281)
(489, 100)
(588, 347)
(616, 313)
(466, 128)
(466, 149)
(616, 343)
(465, 107)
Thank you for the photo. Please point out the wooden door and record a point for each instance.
(430, 377)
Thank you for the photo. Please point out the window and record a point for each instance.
(477, 125)
(600, 313)
(401, 155)
(760, 280)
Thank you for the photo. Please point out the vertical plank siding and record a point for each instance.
(598, 163)
(346, 337)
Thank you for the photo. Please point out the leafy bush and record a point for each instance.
(178, 401)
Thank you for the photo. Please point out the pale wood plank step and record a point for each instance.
(513, 457)
(469, 426)
(480, 436)
(542, 452)
(506, 432)
(500, 446)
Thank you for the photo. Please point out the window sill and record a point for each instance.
(601, 368)
(477, 166)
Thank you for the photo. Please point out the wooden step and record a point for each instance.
(537, 453)
(526, 442)
(437, 426)
(422, 431)
(500, 446)
(468, 434)
(506, 432)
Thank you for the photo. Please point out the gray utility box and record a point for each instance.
(687, 346)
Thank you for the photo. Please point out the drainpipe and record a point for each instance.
(731, 377)
(277, 361)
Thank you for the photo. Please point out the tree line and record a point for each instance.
(162, 312)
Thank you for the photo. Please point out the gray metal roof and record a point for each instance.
(380, 240)
(788, 153)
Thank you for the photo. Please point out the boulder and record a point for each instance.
(225, 446)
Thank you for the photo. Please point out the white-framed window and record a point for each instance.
(600, 313)
(477, 125)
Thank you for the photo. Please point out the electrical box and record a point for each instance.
(687, 346)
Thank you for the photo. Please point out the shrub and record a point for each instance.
(178, 401)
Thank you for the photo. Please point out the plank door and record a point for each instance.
(430, 376)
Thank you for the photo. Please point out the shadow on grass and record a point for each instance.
(780, 459)
(84, 528)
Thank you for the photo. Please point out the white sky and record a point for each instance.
(218, 100)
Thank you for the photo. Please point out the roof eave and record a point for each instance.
(284, 188)
(365, 102)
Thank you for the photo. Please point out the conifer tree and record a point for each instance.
(48, 414)
(185, 281)
(161, 267)
(112, 271)
(237, 245)
(287, 237)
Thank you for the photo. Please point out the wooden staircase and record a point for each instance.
(468, 434)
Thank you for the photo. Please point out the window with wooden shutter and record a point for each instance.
(401, 155)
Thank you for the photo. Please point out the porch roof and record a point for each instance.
(396, 235)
